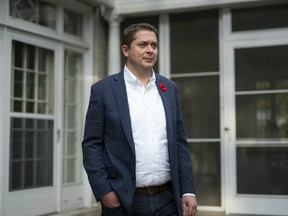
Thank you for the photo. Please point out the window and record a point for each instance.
(31, 138)
(194, 42)
(73, 23)
(34, 11)
(265, 17)
(73, 89)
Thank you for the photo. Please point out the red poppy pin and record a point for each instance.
(162, 87)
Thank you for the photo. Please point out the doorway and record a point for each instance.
(256, 138)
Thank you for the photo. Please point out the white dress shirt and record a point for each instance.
(149, 131)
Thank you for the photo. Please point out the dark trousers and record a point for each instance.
(161, 204)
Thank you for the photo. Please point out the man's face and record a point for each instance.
(143, 52)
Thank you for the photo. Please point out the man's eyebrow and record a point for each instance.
(153, 42)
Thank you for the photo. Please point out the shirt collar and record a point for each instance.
(131, 80)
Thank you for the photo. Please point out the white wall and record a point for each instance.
(158, 6)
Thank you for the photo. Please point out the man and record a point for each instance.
(134, 148)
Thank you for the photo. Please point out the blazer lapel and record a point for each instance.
(120, 95)
(167, 107)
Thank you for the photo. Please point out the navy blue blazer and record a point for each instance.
(108, 146)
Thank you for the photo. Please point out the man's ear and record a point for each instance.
(125, 50)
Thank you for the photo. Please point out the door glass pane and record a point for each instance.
(200, 105)
(28, 137)
(32, 81)
(265, 17)
(262, 116)
(194, 42)
(263, 68)
(262, 170)
(73, 90)
(207, 172)
(261, 120)
(34, 11)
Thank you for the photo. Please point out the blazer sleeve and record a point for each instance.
(92, 146)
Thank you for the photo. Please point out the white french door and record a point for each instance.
(31, 136)
(256, 125)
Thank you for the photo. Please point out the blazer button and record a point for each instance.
(133, 177)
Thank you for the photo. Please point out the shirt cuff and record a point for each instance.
(189, 194)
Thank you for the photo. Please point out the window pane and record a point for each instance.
(262, 116)
(24, 154)
(18, 54)
(265, 17)
(18, 84)
(42, 85)
(262, 68)
(29, 174)
(194, 42)
(71, 148)
(207, 172)
(17, 106)
(33, 88)
(200, 99)
(34, 11)
(262, 170)
(47, 14)
(17, 141)
(30, 85)
(30, 144)
(71, 175)
(16, 170)
(71, 91)
(30, 56)
(44, 59)
(73, 23)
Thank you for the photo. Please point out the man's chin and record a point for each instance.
(149, 66)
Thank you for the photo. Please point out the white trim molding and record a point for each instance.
(143, 6)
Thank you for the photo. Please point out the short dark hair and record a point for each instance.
(128, 35)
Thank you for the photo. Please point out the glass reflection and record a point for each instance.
(194, 42)
(264, 17)
(262, 116)
(206, 169)
(200, 106)
(263, 68)
(262, 170)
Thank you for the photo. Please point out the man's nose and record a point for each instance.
(149, 48)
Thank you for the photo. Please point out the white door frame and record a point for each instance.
(2, 108)
(28, 200)
(244, 204)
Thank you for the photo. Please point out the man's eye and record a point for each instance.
(154, 46)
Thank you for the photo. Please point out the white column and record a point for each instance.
(164, 45)
(114, 45)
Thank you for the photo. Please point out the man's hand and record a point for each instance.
(110, 200)
(189, 205)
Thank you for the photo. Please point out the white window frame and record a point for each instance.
(2, 114)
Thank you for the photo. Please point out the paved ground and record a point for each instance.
(96, 212)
